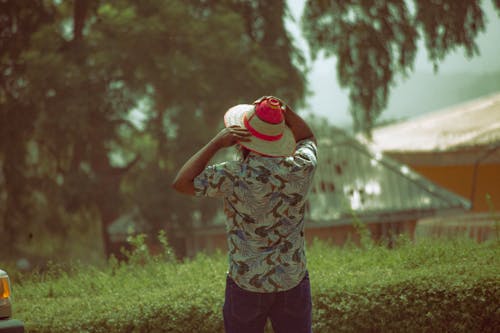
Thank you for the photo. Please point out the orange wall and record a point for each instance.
(459, 179)
(339, 235)
(334, 235)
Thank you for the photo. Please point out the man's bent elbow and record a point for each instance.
(177, 185)
(183, 187)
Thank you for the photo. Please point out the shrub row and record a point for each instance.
(433, 286)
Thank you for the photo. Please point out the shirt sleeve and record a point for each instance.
(306, 154)
(216, 180)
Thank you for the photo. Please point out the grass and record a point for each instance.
(350, 285)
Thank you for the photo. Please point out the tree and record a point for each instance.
(376, 40)
(77, 73)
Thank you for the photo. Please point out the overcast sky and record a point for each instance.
(330, 101)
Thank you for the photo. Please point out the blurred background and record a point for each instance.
(458, 78)
(102, 101)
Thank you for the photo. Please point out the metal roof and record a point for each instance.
(354, 180)
(472, 124)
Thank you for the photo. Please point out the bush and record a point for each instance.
(433, 286)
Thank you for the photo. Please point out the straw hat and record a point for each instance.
(266, 122)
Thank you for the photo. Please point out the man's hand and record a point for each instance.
(299, 127)
(230, 136)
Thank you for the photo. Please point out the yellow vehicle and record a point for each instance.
(7, 324)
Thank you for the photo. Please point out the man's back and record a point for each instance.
(264, 201)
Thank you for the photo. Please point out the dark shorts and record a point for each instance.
(289, 311)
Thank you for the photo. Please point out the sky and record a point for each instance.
(330, 101)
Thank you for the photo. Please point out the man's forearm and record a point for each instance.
(298, 126)
(183, 182)
(229, 136)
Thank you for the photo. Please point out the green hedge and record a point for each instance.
(450, 286)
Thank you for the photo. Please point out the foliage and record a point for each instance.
(494, 217)
(431, 286)
(100, 102)
(374, 41)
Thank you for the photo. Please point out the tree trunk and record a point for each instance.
(107, 196)
(79, 16)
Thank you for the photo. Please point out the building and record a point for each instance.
(457, 148)
(354, 186)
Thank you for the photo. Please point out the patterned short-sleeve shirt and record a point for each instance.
(264, 202)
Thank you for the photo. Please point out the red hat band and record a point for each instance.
(255, 122)
(266, 120)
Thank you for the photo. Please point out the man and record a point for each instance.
(264, 196)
